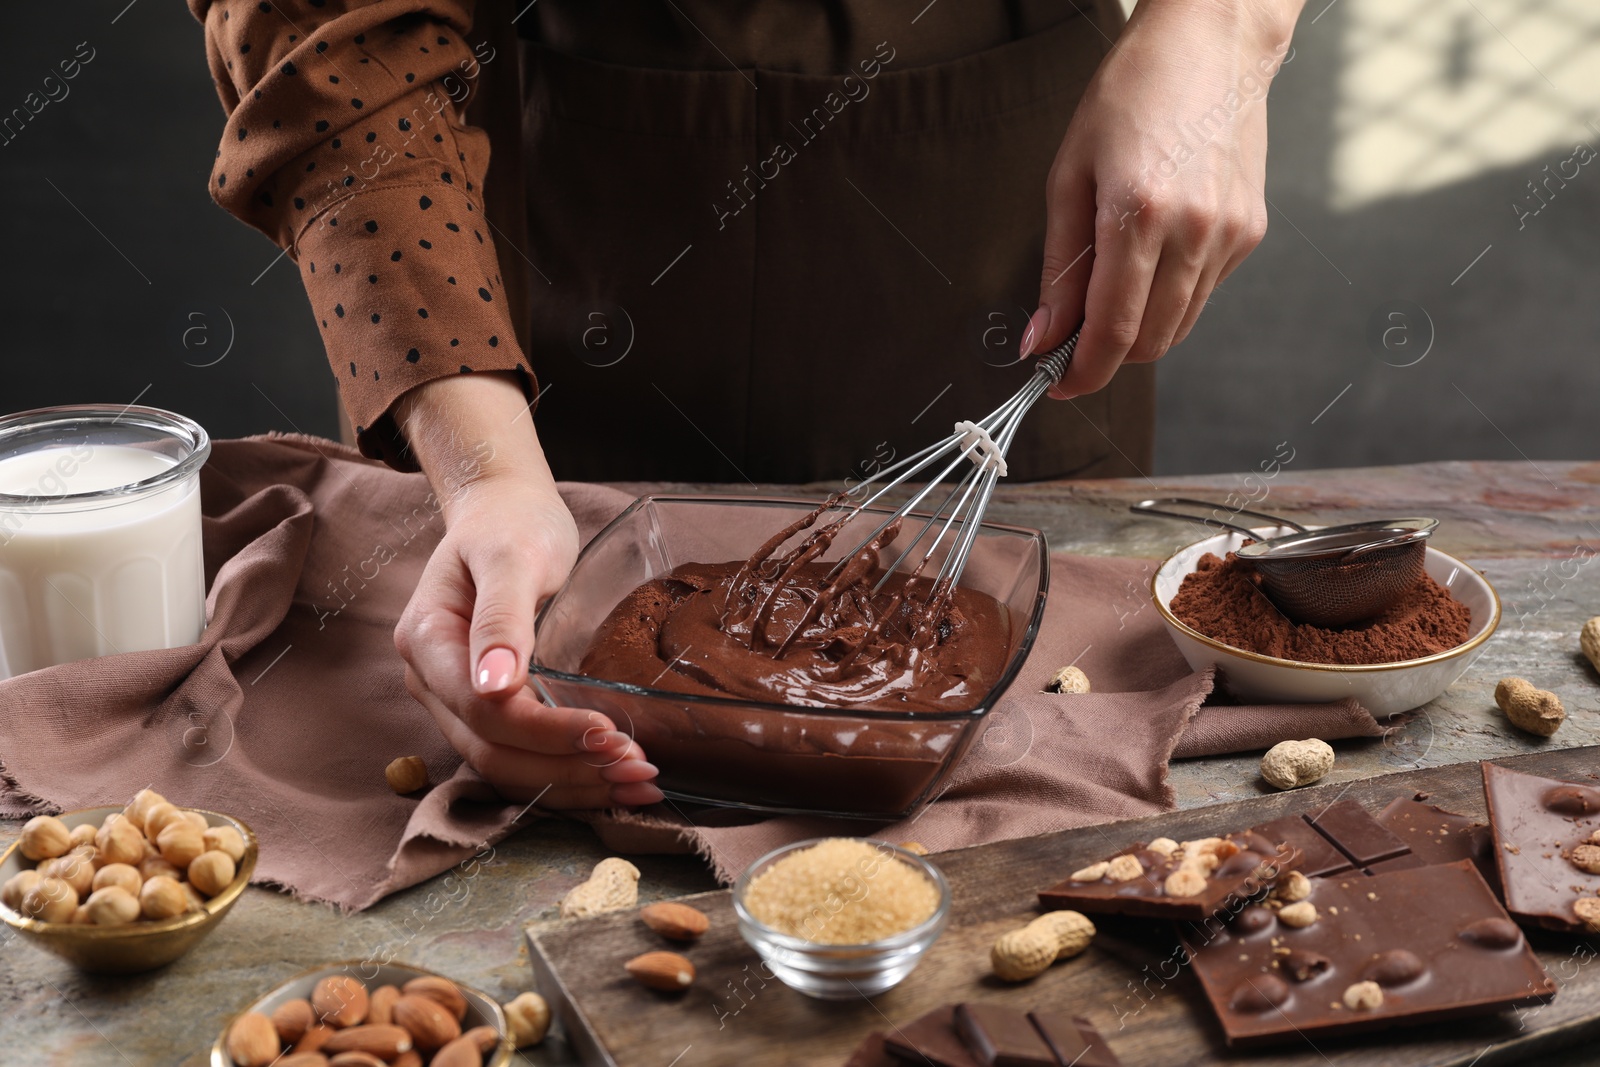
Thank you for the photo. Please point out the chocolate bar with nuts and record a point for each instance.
(1365, 952)
(1547, 848)
(1168, 880)
(1435, 835)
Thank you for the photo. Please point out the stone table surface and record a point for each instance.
(1532, 529)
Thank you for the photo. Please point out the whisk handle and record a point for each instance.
(1053, 364)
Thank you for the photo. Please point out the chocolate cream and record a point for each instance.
(785, 630)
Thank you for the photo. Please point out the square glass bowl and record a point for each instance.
(775, 757)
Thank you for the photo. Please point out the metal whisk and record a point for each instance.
(980, 446)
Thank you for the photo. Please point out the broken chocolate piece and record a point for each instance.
(1317, 857)
(1538, 825)
(1435, 835)
(1169, 885)
(1433, 938)
(931, 1038)
(1075, 1041)
(1001, 1037)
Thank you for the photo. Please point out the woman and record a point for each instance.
(740, 241)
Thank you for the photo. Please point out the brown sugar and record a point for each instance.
(1221, 599)
(842, 891)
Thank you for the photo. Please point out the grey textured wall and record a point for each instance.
(125, 281)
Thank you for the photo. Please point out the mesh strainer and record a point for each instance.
(1332, 576)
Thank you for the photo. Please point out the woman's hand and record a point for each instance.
(1156, 193)
(467, 635)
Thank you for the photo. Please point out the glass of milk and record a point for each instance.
(99, 534)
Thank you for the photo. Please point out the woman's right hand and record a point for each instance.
(467, 634)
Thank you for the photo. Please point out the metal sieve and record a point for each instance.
(1332, 576)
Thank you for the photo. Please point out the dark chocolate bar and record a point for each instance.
(1075, 1042)
(1435, 835)
(1148, 881)
(1547, 847)
(931, 1038)
(1353, 831)
(1399, 947)
(1001, 1037)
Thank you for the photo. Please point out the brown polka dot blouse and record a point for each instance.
(341, 147)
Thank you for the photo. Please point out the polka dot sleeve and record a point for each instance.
(345, 145)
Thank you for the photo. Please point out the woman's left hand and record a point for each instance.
(1156, 193)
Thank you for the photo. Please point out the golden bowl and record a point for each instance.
(482, 1009)
(136, 946)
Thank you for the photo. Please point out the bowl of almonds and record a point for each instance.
(118, 890)
(364, 1014)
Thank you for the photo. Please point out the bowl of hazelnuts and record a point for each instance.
(121, 890)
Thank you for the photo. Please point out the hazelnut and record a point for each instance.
(1067, 680)
(44, 837)
(80, 916)
(1185, 882)
(1363, 996)
(1124, 868)
(157, 865)
(119, 841)
(1587, 909)
(180, 843)
(527, 1019)
(50, 900)
(1586, 858)
(211, 872)
(75, 868)
(83, 834)
(406, 774)
(162, 898)
(112, 906)
(121, 874)
(1300, 914)
(1163, 846)
(1292, 887)
(1092, 873)
(140, 805)
(17, 887)
(158, 815)
(224, 839)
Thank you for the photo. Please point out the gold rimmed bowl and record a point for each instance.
(1382, 688)
(482, 1009)
(142, 945)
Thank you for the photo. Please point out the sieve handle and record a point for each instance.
(1150, 507)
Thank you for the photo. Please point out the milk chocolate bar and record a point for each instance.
(1397, 947)
(1547, 848)
(1075, 1041)
(1168, 880)
(991, 1035)
(1435, 835)
(872, 1053)
(931, 1038)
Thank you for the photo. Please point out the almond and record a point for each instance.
(381, 1009)
(676, 922)
(293, 1018)
(252, 1040)
(430, 1023)
(302, 1059)
(462, 1052)
(340, 1000)
(384, 1041)
(356, 1059)
(314, 1038)
(440, 989)
(666, 971)
(485, 1037)
(406, 1059)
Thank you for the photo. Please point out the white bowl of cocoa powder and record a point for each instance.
(1394, 662)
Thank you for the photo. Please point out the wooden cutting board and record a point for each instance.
(1128, 983)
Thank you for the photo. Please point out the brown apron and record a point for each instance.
(784, 240)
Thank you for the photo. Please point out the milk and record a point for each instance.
(95, 578)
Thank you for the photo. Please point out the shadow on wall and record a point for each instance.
(1426, 288)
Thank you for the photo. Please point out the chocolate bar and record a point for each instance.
(1547, 847)
(1166, 880)
(991, 1035)
(931, 1038)
(1075, 1041)
(1401, 946)
(1000, 1037)
(1353, 831)
(1435, 835)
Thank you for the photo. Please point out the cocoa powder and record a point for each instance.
(1222, 600)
